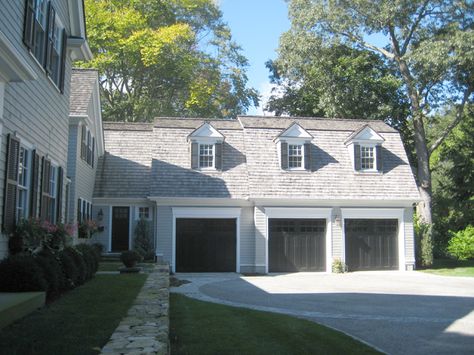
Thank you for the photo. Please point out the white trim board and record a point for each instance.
(210, 213)
(300, 213)
(377, 213)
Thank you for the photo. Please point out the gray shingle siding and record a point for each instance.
(35, 109)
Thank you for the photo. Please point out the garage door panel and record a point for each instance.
(371, 244)
(297, 245)
(205, 245)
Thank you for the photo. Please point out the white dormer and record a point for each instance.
(365, 149)
(206, 147)
(294, 148)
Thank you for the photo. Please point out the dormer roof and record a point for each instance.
(207, 132)
(364, 134)
(294, 131)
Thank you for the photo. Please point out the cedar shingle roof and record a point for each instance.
(155, 161)
(82, 86)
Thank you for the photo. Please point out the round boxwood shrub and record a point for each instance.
(461, 245)
(130, 258)
(81, 265)
(21, 273)
(89, 258)
(69, 269)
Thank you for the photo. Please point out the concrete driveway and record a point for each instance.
(396, 312)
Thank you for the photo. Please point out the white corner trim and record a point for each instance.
(378, 213)
(13, 67)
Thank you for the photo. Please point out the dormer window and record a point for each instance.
(206, 148)
(295, 156)
(365, 149)
(206, 155)
(294, 147)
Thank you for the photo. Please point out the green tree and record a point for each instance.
(166, 58)
(430, 47)
(453, 178)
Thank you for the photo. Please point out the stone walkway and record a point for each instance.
(145, 329)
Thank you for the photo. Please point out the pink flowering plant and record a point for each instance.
(35, 235)
(87, 228)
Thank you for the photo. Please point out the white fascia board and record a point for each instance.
(80, 49)
(99, 131)
(295, 132)
(206, 212)
(77, 119)
(372, 213)
(297, 212)
(120, 201)
(13, 67)
(200, 201)
(265, 201)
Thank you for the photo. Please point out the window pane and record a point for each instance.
(366, 158)
(206, 155)
(295, 156)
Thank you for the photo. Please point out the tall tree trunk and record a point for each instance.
(423, 176)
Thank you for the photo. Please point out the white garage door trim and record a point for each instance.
(301, 213)
(377, 213)
(206, 212)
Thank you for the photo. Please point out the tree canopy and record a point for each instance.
(166, 58)
(428, 45)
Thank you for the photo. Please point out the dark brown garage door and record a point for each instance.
(296, 245)
(371, 244)
(205, 245)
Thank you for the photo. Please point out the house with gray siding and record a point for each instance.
(39, 39)
(86, 143)
(259, 194)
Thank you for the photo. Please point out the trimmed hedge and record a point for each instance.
(50, 270)
(21, 273)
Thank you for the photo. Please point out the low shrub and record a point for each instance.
(80, 264)
(143, 243)
(21, 273)
(52, 272)
(89, 257)
(99, 249)
(338, 266)
(130, 258)
(461, 245)
(70, 270)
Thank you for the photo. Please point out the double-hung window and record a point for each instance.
(53, 178)
(295, 156)
(206, 155)
(367, 157)
(143, 212)
(57, 42)
(40, 23)
(23, 183)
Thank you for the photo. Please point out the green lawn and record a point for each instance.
(110, 265)
(206, 328)
(450, 267)
(80, 322)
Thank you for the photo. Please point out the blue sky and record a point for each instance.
(256, 25)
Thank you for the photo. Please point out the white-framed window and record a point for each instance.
(57, 50)
(206, 155)
(143, 212)
(84, 210)
(24, 182)
(41, 16)
(367, 157)
(87, 146)
(295, 156)
(53, 182)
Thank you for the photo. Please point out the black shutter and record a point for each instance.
(63, 62)
(45, 177)
(79, 216)
(59, 196)
(218, 156)
(284, 155)
(29, 25)
(50, 37)
(378, 153)
(34, 184)
(93, 151)
(357, 157)
(194, 155)
(307, 156)
(83, 138)
(11, 183)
